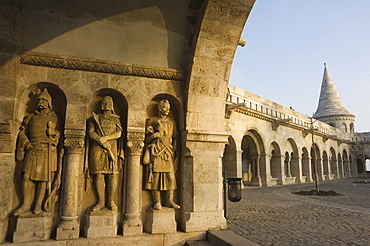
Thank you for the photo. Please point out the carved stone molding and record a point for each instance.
(92, 65)
(135, 142)
(74, 145)
(74, 140)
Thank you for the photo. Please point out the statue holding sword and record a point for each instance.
(106, 153)
(37, 149)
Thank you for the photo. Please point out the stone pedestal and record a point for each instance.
(160, 221)
(100, 224)
(32, 228)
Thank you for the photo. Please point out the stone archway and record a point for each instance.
(250, 161)
(291, 162)
(326, 166)
(346, 166)
(306, 168)
(229, 159)
(333, 164)
(277, 171)
(340, 166)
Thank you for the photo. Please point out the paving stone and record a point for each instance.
(275, 216)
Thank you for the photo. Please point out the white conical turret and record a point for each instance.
(330, 109)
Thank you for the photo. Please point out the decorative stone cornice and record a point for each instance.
(92, 65)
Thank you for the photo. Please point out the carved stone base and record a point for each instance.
(132, 225)
(160, 221)
(68, 229)
(100, 224)
(32, 227)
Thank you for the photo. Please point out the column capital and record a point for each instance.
(135, 142)
(74, 140)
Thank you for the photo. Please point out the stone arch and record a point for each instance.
(316, 163)
(306, 168)
(275, 164)
(346, 166)
(343, 127)
(120, 105)
(352, 127)
(340, 166)
(229, 159)
(253, 166)
(326, 166)
(291, 163)
(333, 163)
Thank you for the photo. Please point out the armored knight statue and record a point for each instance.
(37, 149)
(106, 154)
(159, 156)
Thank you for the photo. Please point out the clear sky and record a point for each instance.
(288, 42)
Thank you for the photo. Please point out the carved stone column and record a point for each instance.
(132, 223)
(69, 227)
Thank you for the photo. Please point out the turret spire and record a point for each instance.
(330, 108)
(330, 103)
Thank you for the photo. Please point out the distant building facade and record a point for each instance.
(273, 145)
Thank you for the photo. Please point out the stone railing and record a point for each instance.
(260, 107)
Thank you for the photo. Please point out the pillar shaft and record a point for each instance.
(69, 227)
(132, 223)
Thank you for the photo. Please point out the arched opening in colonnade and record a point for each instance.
(306, 168)
(333, 163)
(316, 163)
(291, 162)
(275, 164)
(252, 169)
(340, 166)
(346, 167)
(229, 159)
(326, 166)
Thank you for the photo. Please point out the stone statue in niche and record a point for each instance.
(37, 148)
(159, 156)
(106, 153)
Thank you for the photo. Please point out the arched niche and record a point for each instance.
(27, 105)
(89, 196)
(177, 115)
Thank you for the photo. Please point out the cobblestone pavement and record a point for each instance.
(275, 216)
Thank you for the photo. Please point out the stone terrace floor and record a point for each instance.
(275, 216)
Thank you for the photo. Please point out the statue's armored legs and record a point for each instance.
(27, 196)
(157, 199)
(112, 188)
(41, 189)
(170, 202)
(100, 190)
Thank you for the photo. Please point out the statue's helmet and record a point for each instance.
(107, 103)
(45, 95)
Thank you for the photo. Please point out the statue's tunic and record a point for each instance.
(42, 158)
(161, 153)
(100, 161)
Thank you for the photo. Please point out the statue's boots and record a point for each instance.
(112, 188)
(100, 190)
(157, 199)
(170, 203)
(40, 197)
(27, 197)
